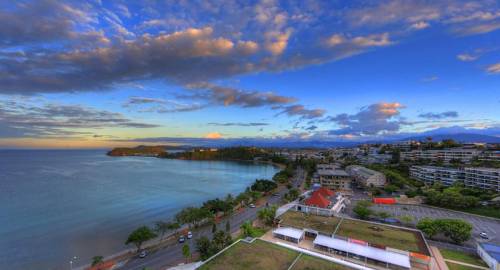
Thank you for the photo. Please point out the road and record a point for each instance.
(171, 254)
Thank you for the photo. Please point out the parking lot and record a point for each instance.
(480, 224)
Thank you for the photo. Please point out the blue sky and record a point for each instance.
(92, 74)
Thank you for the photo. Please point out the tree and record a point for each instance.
(266, 215)
(247, 229)
(186, 252)
(228, 226)
(192, 215)
(203, 246)
(220, 240)
(428, 227)
(361, 210)
(139, 236)
(457, 230)
(97, 260)
(383, 215)
(406, 219)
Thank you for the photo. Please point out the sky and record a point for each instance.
(85, 74)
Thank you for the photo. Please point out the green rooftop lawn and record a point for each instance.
(322, 224)
(462, 257)
(257, 255)
(307, 262)
(382, 235)
(455, 266)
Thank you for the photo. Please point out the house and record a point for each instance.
(322, 201)
(317, 200)
(490, 253)
(366, 177)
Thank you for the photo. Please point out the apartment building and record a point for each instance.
(334, 179)
(445, 155)
(490, 156)
(477, 177)
(366, 177)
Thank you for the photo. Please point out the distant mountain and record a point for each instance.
(459, 137)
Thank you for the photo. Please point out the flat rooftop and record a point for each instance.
(374, 233)
(326, 225)
(263, 255)
(332, 172)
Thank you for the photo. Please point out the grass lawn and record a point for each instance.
(296, 219)
(483, 211)
(382, 235)
(462, 257)
(258, 255)
(454, 266)
(307, 262)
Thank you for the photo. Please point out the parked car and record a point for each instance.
(189, 235)
(143, 253)
(483, 235)
(276, 194)
(182, 239)
(251, 205)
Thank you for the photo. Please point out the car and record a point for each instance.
(189, 235)
(143, 253)
(276, 195)
(252, 205)
(483, 235)
(182, 239)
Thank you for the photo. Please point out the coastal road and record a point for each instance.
(171, 254)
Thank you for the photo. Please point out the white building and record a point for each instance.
(445, 155)
(334, 179)
(490, 254)
(476, 177)
(365, 176)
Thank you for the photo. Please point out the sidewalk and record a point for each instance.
(438, 258)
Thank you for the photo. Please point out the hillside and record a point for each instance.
(141, 150)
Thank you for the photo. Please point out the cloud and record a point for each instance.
(159, 105)
(229, 96)
(435, 116)
(371, 120)
(277, 42)
(213, 135)
(373, 40)
(467, 57)
(420, 25)
(300, 110)
(50, 119)
(430, 79)
(313, 127)
(232, 124)
(494, 69)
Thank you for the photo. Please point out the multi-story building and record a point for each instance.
(431, 174)
(445, 155)
(366, 177)
(490, 156)
(334, 179)
(476, 177)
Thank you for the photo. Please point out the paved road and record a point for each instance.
(479, 224)
(172, 254)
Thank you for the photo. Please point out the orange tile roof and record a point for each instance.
(325, 192)
(317, 200)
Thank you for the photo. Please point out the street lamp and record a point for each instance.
(71, 262)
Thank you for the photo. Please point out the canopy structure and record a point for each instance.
(365, 251)
(289, 234)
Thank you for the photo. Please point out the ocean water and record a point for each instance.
(56, 204)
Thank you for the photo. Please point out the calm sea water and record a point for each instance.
(58, 204)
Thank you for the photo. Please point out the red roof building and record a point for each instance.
(327, 193)
(317, 200)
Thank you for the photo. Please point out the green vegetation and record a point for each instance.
(139, 236)
(382, 235)
(207, 248)
(257, 255)
(266, 215)
(456, 266)
(489, 211)
(186, 252)
(462, 257)
(192, 215)
(322, 224)
(284, 175)
(362, 209)
(161, 227)
(141, 150)
(456, 230)
(307, 262)
(292, 195)
(97, 260)
(248, 230)
(263, 185)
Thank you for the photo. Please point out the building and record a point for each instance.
(321, 201)
(334, 179)
(490, 156)
(474, 177)
(445, 155)
(431, 174)
(366, 177)
(490, 254)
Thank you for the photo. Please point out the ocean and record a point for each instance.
(57, 204)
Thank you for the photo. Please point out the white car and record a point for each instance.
(189, 235)
(252, 205)
(483, 235)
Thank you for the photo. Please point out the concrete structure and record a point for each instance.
(475, 177)
(289, 234)
(490, 254)
(334, 179)
(445, 155)
(366, 177)
(490, 156)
